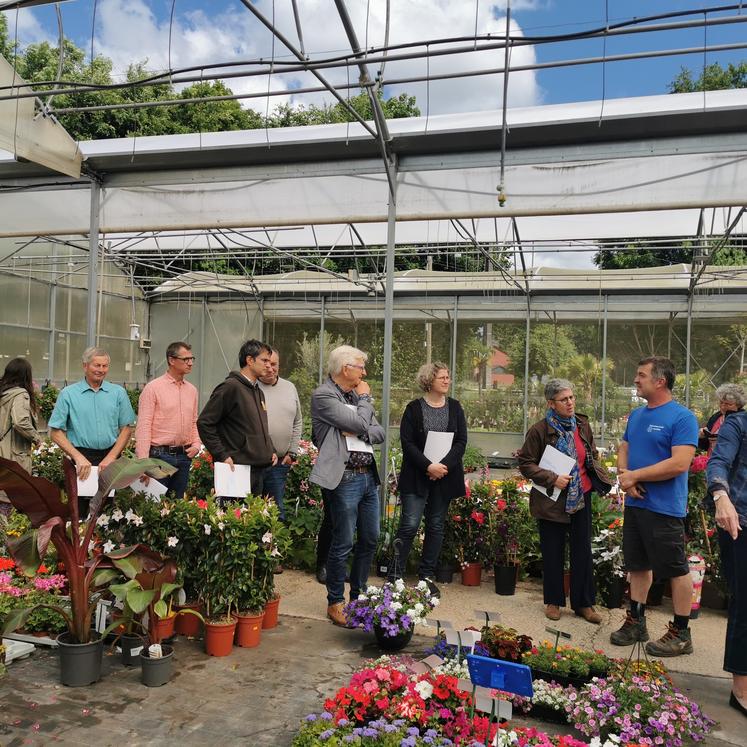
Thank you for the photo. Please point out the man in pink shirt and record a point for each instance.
(167, 418)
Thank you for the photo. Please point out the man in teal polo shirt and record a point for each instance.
(92, 419)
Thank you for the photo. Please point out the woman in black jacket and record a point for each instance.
(425, 486)
(731, 398)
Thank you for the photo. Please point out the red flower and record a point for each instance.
(201, 503)
(237, 513)
(6, 564)
(699, 463)
(500, 504)
(478, 516)
(42, 569)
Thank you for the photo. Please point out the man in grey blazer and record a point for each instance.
(341, 409)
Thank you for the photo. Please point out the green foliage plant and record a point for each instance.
(49, 510)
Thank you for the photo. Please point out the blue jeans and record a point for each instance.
(734, 565)
(274, 486)
(354, 504)
(434, 506)
(177, 483)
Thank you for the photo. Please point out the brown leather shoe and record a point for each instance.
(590, 615)
(335, 613)
(552, 612)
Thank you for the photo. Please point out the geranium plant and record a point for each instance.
(393, 608)
(54, 518)
(511, 528)
(468, 518)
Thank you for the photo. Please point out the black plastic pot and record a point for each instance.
(505, 579)
(392, 643)
(80, 663)
(614, 593)
(157, 672)
(445, 574)
(131, 646)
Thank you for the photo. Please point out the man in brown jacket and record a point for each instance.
(566, 509)
(233, 423)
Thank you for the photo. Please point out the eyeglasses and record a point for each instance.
(566, 400)
(188, 359)
(356, 365)
(442, 378)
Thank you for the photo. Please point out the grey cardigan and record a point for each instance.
(330, 417)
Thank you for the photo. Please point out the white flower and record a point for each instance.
(207, 528)
(424, 689)
(419, 608)
(435, 601)
(372, 590)
(267, 538)
(165, 511)
(399, 585)
(362, 597)
(137, 520)
(275, 552)
(102, 521)
(411, 613)
(220, 513)
(117, 515)
(108, 546)
(172, 541)
(422, 586)
(130, 513)
(396, 606)
(221, 525)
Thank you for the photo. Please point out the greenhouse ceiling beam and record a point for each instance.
(382, 131)
(302, 58)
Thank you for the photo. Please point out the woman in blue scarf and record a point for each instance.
(566, 509)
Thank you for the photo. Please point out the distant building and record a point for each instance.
(499, 375)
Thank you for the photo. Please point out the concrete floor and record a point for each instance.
(258, 696)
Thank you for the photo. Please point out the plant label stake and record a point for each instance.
(469, 687)
(419, 667)
(485, 702)
(439, 624)
(558, 635)
(466, 638)
(489, 615)
(433, 661)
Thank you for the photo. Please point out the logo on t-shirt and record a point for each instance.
(654, 428)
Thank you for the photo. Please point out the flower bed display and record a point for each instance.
(565, 664)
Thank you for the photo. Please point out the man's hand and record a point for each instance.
(362, 388)
(192, 451)
(287, 459)
(436, 470)
(629, 484)
(274, 458)
(561, 481)
(727, 517)
(229, 462)
(82, 467)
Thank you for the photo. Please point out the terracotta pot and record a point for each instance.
(271, 614)
(164, 628)
(219, 638)
(248, 630)
(471, 574)
(189, 625)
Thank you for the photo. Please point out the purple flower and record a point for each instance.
(325, 735)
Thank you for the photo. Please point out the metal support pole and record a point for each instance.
(526, 366)
(93, 256)
(453, 363)
(391, 226)
(687, 347)
(604, 375)
(52, 315)
(321, 340)
(203, 351)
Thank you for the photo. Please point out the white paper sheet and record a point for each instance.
(232, 484)
(437, 446)
(356, 444)
(88, 488)
(557, 462)
(153, 489)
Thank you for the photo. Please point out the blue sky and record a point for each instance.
(216, 30)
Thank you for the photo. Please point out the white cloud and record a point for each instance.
(128, 31)
(25, 26)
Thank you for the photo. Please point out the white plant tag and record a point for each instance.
(154, 651)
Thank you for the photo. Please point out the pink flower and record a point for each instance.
(699, 463)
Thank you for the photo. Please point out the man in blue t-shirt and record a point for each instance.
(653, 460)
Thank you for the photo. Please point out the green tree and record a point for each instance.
(713, 77)
(550, 346)
(585, 372)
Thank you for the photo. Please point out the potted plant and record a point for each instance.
(468, 517)
(49, 510)
(509, 529)
(391, 612)
(609, 567)
(504, 643)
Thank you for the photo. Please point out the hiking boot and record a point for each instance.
(632, 630)
(673, 643)
(552, 612)
(590, 615)
(432, 588)
(335, 613)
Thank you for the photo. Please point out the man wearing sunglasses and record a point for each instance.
(167, 418)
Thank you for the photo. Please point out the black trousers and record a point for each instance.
(95, 457)
(552, 545)
(734, 565)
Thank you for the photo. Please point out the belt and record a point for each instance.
(359, 470)
(173, 450)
